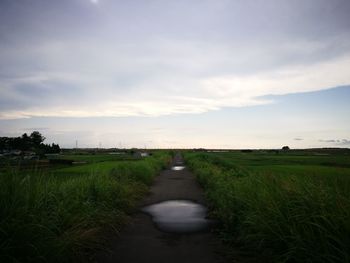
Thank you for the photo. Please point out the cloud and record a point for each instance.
(340, 142)
(142, 60)
(160, 92)
(298, 139)
(35, 129)
(327, 140)
(345, 142)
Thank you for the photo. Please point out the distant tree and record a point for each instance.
(56, 148)
(33, 142)
(285, 148)
(53, 148)
(37, 138)
(133, 150)
(26, 142)
(16, 143)
(3, 143)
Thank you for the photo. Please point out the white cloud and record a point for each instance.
(119, 70)
(115, 82)
(287, 80)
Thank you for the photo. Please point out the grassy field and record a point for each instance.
(58, 215)
(54, 161)
(291, 206)
(93, 158)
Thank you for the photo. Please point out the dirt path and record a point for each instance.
(141, 241)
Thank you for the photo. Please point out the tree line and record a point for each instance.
(33, 142)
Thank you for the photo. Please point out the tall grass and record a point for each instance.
(296, 218)
(54, 218)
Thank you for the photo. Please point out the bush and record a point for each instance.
(55, 218)
(298, 218)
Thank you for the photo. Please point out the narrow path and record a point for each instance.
(141, 241)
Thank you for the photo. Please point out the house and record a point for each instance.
(140, 154)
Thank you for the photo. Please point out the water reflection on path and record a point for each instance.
(177, 168)
(178, 216)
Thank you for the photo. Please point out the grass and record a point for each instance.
(93, 158)
(294, 208)
(59, 216)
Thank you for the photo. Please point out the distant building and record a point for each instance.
(141, 154)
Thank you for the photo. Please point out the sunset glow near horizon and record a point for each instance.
(177, 74)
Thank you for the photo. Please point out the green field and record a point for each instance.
(284, 206)
(77, 158)
(93, 158)
(59, 214)
(290, 206)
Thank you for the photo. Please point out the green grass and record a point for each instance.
(294, 208)
(93, 158)
(60, 216)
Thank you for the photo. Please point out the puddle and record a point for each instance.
(177, 168)
(178, 216)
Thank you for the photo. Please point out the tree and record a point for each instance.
(37, 138)
(285, 148)
(34, 142)
(26, 142)
(55, 148)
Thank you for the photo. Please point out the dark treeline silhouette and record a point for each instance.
(33, 142)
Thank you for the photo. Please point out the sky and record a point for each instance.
(177, 74)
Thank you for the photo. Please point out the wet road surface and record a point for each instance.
(179, 216)
(144, 241)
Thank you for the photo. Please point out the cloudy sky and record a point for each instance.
(185, 73)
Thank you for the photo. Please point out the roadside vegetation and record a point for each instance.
(33, 143)
(60, 214)
(291, 206)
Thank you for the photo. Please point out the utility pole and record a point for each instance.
(76, 144)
